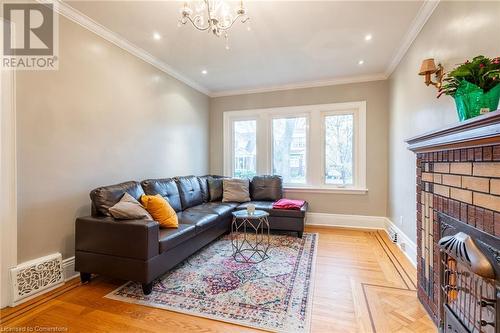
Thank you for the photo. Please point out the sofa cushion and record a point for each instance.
(202, 221)
(235, 190)
(105, 197)
(268, 207)
(167, 188)
(170, 238)
(204, 187)
(215, 188)
(189, 191)
(266, 188)
(219, 208)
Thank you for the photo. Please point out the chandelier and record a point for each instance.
(214, 16)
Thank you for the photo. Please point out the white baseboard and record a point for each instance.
(407, 246)
(69, 268)
(347, 221)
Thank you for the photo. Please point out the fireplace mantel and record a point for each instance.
(476, 132)
(457, 176)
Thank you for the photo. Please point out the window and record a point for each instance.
(244, 148)
(313, 147)
(289, 149)
(339, 154)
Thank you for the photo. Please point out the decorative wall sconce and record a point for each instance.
(428, 68)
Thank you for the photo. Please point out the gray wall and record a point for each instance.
(455, 31)
(374, 93)
(104, 117)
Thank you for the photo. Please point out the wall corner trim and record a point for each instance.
(8, 182)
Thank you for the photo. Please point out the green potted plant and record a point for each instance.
(474, 85)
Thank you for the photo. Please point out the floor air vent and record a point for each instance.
(32, 277)
(393, 235)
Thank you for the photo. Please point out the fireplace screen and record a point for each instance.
(470, 287)
(470, 297)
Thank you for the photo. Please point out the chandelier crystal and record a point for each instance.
(215, 16)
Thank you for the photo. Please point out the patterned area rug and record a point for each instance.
(274, 295)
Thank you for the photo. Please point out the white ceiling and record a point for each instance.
(291, 43)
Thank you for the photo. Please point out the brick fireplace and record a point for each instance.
(457, 176)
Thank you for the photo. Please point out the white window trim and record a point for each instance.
(315, 144)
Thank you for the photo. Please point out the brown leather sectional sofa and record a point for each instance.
(138, 250)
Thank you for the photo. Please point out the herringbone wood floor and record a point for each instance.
(362, 284)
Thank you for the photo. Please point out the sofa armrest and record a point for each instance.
(137, 239)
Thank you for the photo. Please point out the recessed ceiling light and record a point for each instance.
(368, 37)
(361, 62)
(156, 36)
(204, 72)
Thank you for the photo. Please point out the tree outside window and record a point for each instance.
(289, 149)
(339, 149)
(245, 152)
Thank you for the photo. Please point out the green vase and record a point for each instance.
(471, 101)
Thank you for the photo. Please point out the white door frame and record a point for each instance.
(8, 183)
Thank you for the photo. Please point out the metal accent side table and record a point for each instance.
(251, 246)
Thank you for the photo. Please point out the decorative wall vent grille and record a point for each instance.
(393, 234)
(32, 277)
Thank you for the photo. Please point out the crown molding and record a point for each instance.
(78, 17)
(416, 26)
(302, 85)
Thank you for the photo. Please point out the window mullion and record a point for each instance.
(262, 145)
(314, 163)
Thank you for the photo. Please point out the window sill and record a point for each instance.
(336, 190)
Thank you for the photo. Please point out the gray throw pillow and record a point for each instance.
(129, 209)
(235, 190)
(214, 188)
(266, 188)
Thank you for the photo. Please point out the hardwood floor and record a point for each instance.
(363, 283)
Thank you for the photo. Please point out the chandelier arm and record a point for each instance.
(197, 26)
(224, 28)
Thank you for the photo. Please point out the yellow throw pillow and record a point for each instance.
(160, 210)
